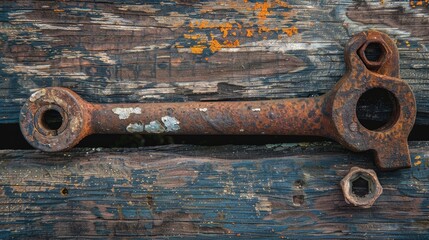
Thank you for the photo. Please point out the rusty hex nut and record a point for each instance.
(385, 54)
(361, 187)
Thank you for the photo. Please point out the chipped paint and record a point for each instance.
(135, 127)
(148, 48)
(171, 123)
(105, 58)
(29, 70)
(75, 124)
(263, 204)
(174, 20)
(37, 95)
(111, 21)
(154, 127)
(146, 8)
(53, 27)
(125, 113)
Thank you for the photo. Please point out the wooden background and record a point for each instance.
(271, 192)
(191, 50)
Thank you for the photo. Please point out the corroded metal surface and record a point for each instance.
(332, 115)
(374, 188)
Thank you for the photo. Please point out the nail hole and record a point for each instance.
(298, 200)
(360, 187)
(64, 191)
(299, 183)
(52, 119)
(377, 109)
(374, 52)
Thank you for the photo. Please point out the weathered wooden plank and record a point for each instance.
(174, 50)
(272, 191)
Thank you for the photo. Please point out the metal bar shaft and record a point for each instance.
(305, 116)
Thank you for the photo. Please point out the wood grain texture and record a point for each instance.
(176, 50)
(271, 192)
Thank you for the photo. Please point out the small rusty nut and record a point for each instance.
(361, 187)
(383, 56)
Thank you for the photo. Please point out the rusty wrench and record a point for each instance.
(332, 115)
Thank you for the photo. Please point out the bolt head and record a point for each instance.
(374, 187)
(385, 55)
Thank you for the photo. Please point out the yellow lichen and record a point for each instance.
(224, 28)
(281, 3)
(263, 29)
(290, 31)
(407, 43)
(232, 29)
(263, 9)
(215, 46)
(198, 49)
(230, 44)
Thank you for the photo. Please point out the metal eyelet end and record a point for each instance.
(54, 119)
(361, 187)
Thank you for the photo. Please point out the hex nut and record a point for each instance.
(385, 55)
(374, 187)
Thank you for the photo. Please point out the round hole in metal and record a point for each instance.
(377, 109)
(52, 119)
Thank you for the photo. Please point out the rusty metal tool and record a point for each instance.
(331, 115)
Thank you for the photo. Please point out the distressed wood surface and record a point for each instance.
(271, 192)
(192, 50)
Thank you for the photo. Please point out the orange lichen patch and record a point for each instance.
(192, 36)
(290, 31)
(419, 3)
(230, 44)
(265, 24)
(263, 9)
(263, 29)
(224, 28)
(282, 4)
(215, 46)
(198, 49)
